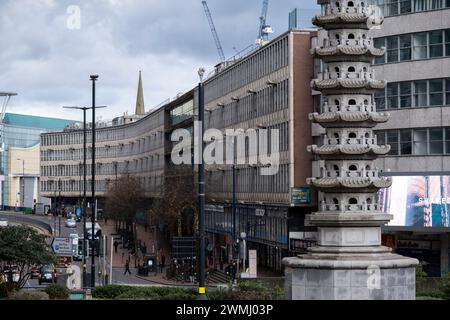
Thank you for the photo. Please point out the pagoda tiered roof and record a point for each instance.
(349, 117)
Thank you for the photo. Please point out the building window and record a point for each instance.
(447, 42)
(447, 141)
(392, 7)
(436, 93)
(420, 5)
(436, 4)
(392, 49)
(447, 91)
(405, 47)
(405, 142)
(392, 140)
(392, 95)
(436, 141)
(405, 6)
(420, 141)
(420, 93)
(420, 46)
(436, 44)
(380, 99)
(405, 95)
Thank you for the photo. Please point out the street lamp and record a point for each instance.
(93, 78)
(23, 181)
(201, 188)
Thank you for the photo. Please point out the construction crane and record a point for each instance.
(264, 29)
(214, 31)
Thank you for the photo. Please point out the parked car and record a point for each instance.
(71, 223)
(47, 274)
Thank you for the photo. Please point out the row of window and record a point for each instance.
(149, 184)
(428, 141)
(137, 129)
(271, 58)
(248, 180)
(140, 146)
(183, 112)
(399, 7)
(415, 46)
(147, 164)
(412, 94)
(269, 100)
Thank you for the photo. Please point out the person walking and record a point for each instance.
(127, 267)
(116, 244)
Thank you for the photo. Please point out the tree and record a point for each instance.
(178, 206)
(23, 247)
(124, 199)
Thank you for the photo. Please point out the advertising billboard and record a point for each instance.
(418, 201)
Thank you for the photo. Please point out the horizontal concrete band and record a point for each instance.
(390, 261)
(350, 219)
(350, 250)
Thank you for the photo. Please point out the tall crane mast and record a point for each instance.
(214, 31)
(264, 29)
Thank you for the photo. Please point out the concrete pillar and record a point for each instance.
(444, 253)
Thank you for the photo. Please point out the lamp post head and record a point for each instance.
(201, 73)
(94, 77)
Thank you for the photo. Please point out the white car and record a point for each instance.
(71, 223)
(3, 222)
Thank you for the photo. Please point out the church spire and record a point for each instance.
(140, 98)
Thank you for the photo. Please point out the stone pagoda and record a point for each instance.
(349, 261)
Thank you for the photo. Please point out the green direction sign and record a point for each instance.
(301, 195)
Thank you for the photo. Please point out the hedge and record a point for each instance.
(116, 292)
(246, 290)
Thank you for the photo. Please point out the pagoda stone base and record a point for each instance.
(363, 277)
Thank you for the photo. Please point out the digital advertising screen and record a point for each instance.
(417, 201)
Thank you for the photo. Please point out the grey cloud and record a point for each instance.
(49, 65)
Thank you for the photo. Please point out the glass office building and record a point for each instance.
(20, 136)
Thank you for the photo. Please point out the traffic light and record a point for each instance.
(80, 247)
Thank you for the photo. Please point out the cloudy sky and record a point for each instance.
(47, 59)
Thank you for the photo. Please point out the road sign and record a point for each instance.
(62, 246)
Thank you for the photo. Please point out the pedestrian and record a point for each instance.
(127, 267)
(163, 262)
(116, 244)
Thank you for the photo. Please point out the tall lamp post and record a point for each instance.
(23, 182)
(94, 204)
(83, 205)
(201, 188)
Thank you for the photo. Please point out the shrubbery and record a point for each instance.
(57, 292)
(146, 293)
(246, 290)
(444, 287)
